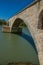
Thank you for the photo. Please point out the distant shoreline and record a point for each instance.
(3, 22)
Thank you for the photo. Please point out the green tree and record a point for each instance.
(3, 22)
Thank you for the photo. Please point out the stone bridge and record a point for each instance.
(32, 16)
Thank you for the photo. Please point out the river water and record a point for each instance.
(17, 48)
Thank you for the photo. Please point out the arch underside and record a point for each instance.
(19, 22)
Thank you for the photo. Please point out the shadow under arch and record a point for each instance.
(29, 38)
(40, 21)
(18, 22)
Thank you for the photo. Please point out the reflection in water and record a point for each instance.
(27, 36)
(29, 39)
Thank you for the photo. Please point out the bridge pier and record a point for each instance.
(15, 30)
(40, 55)
(6, 29)
(38, 39)
(39, 45)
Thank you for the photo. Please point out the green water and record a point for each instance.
(15, 48)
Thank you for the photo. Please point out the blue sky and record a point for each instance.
(9, 8)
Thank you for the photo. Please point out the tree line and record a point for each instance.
(3, 22)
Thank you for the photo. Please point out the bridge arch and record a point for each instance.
(19, 21)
